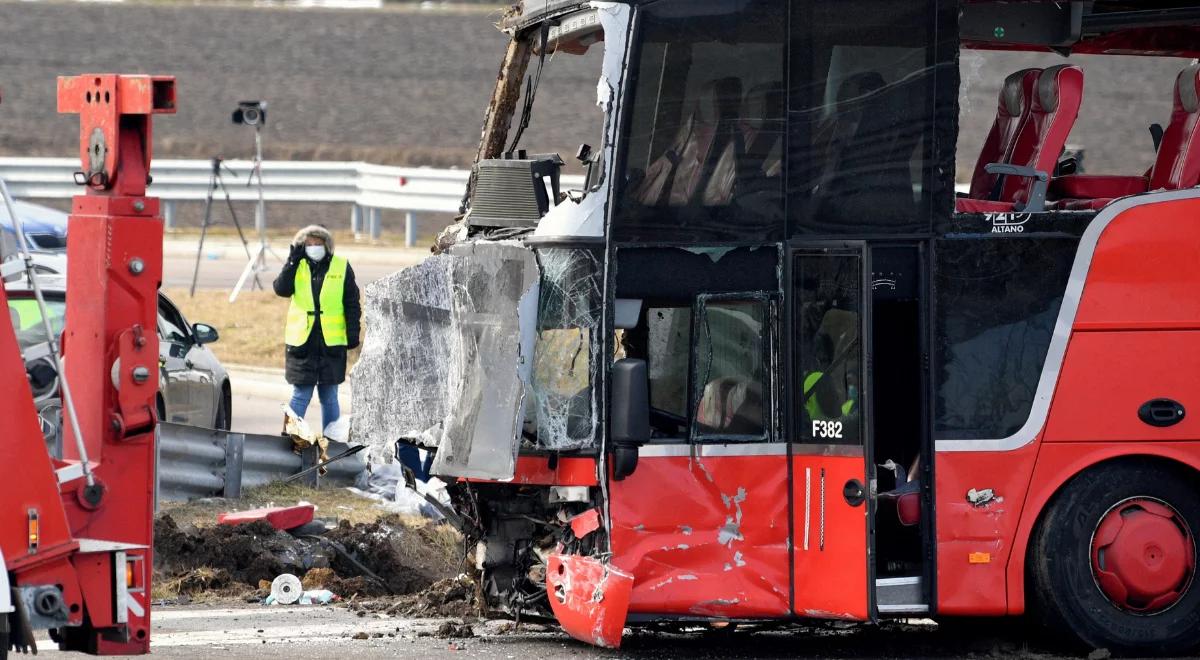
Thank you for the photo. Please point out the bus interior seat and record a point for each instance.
(1176, 166)
(675, 177)
(870, 145)
(1040, 140)
(746, 160)
(731, 405)
(1012, 111)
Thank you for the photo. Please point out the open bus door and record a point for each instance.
(829, 435)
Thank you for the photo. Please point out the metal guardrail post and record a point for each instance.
(410, 229)
(356, 219)
(235, 447)
(309, 457)
(376, 222)
(168, 213)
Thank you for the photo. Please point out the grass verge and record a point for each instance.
(337, 503)
(251, 328)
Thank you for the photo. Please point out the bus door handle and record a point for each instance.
(854, 493)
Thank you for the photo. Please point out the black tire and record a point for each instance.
(1064, 592)
(224, 416)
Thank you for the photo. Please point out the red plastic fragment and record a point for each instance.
(585, 523)
(590, 599)
(279, 517)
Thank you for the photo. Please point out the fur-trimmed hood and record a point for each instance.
(317, 231)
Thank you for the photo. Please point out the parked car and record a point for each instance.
(45, 235)
(193, 387)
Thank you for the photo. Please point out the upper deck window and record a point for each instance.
(751, 120)
(867, 98)
(705, 135)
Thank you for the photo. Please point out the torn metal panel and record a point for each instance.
(590, 599)
(490, 284)
(567, 349)
(447, 358)
(721, 547)
(400, 382)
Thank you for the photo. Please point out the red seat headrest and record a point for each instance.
(1187, 89)
(1053, 84)
(1015, 93)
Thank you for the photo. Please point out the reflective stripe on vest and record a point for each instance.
(302, 311)
(811, 404)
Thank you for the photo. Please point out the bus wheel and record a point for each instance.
(1114, 560)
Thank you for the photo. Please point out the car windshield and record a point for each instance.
(27, 319)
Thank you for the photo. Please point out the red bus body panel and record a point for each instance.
(1135, 337)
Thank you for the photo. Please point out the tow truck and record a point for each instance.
(75, 532)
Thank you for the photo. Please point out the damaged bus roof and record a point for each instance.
(1099, 26)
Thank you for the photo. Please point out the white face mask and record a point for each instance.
(315, 252)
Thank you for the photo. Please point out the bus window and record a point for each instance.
(732, 390)
(865, 93)
(668, 345)
(705, 134)
(998, 301)
(827, 327)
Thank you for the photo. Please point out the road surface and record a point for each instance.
(264, 633)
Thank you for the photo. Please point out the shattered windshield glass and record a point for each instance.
(567, 348)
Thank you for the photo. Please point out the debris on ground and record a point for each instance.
(451, 597)
(454, 629)
(387, 557)
(279, 517)
(386, 484)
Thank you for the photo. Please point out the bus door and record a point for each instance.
(702, 522)
(828, 410)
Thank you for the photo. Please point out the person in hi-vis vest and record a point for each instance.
(322, 320)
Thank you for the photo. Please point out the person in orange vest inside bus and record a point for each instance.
(322, 320)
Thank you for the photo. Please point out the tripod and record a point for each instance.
(215, 180)
(256, 262)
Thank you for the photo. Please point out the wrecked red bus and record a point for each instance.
(763, 360)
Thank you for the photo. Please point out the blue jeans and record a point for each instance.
(330, 410)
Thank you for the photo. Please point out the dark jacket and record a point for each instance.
(314, 363)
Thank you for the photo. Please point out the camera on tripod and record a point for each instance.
(250, 113)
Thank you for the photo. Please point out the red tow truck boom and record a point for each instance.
(75, 533)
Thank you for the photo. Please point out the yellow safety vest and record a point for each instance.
(27, 311)
(302, 310)
(813, 407)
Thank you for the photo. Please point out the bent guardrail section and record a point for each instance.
(195, 462)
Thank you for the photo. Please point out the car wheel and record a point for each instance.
(224, 410)
(1114, 560)
(160, 407)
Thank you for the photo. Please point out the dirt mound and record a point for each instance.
(347, 560)
(249, 553)
(450, 597)
(408, 559)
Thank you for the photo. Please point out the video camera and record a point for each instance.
(250, 113)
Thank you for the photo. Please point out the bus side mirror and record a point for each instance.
(630, 421)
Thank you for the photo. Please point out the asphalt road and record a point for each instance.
(246, 631)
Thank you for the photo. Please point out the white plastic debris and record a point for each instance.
(339, 429)
(285, 589)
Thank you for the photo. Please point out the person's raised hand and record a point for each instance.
(296, 253)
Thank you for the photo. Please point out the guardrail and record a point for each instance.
(196, 462)
(368, 188)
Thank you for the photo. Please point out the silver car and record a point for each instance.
(193, 387)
